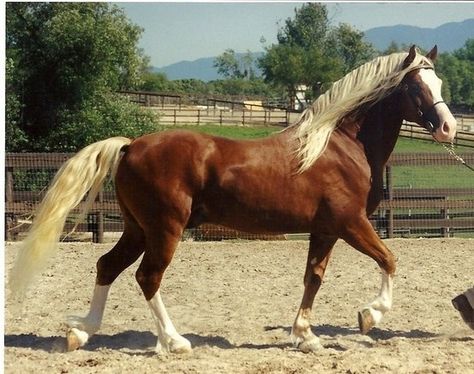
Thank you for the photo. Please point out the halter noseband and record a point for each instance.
(426, 116)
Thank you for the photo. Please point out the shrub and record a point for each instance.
(104, 116)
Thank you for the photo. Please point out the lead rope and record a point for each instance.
(451, 151)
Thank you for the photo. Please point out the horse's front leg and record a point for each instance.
(361, 235)
(318, 256)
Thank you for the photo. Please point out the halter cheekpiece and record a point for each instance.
(427, 115)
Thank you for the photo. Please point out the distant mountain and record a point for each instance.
(202, 68)
(448, 37)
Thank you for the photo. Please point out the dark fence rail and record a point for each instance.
(425, 194)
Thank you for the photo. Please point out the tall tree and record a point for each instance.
(313, 53)
(457, 72)
(227, 64)
(64, 55)
(307, 29)
(234, 66)
(348, 44)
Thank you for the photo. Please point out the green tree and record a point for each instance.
(66, 56)
(457, 72)
(240, 87)
(349, 45)
(466, 53)
(154, 82)
(100, 117)
(234, 66)
(307, 29)
(283, 65)
(227, 64)
(312, 52)
(15, 137)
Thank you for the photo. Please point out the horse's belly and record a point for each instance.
(261, 198)
(256, 219)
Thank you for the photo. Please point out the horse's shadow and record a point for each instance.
(130, 341)
(375, 333)
(144, 341)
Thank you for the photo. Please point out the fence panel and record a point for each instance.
(414, 131)
(425, 194)
(205, 115)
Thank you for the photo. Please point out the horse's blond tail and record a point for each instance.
(86, 171)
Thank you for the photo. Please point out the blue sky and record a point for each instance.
(187, 31)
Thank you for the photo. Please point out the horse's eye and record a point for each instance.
(414, 88)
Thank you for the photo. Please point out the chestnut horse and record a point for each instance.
(322, 175)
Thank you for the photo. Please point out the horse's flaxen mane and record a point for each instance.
(367, 84)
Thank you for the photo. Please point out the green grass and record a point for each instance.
(456, 176)
(405, 145)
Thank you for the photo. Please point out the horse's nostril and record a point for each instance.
(445, 132)
(445, 127)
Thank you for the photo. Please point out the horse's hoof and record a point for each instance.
(366, 321)
(311, 345)
(76, 339)
(180, 346)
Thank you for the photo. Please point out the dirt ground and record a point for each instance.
(236, 301)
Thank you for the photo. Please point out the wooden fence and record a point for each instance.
(176, 109)
(209, 115)
(420, 199)
(414, 131)
(410, 206)
(185, 109)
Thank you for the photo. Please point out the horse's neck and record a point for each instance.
(379, 131)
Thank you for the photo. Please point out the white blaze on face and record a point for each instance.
(447, 123)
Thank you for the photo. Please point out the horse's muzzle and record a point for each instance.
(446, 131)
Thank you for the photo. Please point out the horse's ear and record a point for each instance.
(433, 53)
(410, 57)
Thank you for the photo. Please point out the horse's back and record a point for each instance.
(195, 155)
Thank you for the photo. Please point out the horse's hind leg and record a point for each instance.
(363, 237)
(127, 250)
(160, 247)
(318, 256)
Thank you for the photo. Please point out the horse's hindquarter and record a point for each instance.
(161, 174)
